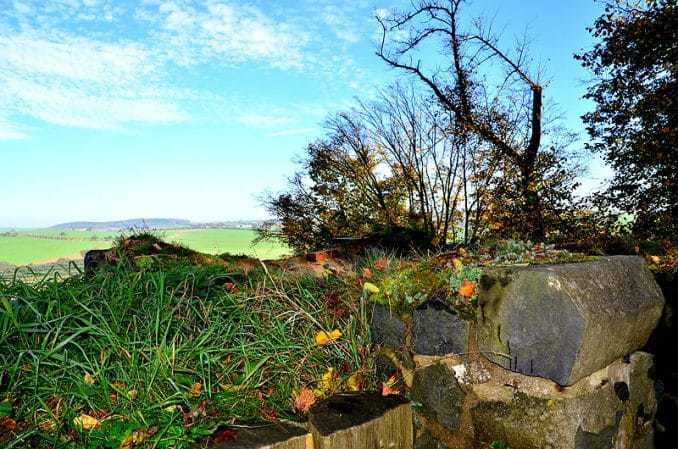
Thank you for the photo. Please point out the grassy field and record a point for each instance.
(46, 245)
(171, 353)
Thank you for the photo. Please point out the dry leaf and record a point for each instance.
(222, 435)
(354, 382)
(367, 273)
(304, 400)
(86, 422)
(388, 387)
(132, 394)
(88, 379)
(457, 264)
(47, 425)
(7, 424)
(467, 288)
(137, 437)
(381, 263)
(327, 382)
(323, 338)
(195, 391)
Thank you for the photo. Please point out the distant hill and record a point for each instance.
(138, 223)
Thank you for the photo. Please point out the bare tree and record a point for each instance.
(506, 113)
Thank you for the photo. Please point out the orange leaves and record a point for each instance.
(467, 288)
(323, 338)
(195, 391)
(304, 400)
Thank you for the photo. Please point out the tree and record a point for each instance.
(635, 123)
(506, 114)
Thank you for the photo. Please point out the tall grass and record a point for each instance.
(146, 337)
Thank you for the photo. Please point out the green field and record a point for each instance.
(46, 245)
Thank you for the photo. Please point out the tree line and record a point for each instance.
(465, 149)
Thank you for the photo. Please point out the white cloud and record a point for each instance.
(291, 132)
(9, 132)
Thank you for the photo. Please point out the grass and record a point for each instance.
(45, 245)
(247, 341)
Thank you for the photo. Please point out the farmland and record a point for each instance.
(45, 246)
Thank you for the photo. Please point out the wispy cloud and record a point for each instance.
(291, 132)
(108, 64)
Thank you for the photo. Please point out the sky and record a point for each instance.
(113, 109)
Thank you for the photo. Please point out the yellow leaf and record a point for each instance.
(137, 437)
(195, 391)
(354, 382)
(86, 422)
(458, 265)
(370, 287)
(322, 337)
(88, 379)
(132, 394)
(327, 381)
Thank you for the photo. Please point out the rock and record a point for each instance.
(387, 328)
(564, 322)
(435, 387)
(362, 420)
(438, 330)
(588, 415)
(95, 259)
(276, 436)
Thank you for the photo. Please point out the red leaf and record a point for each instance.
(222, 435)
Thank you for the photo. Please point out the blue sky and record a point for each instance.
(114, 109)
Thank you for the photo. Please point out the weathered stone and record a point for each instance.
(362, 420)
(275, 436)
(95, 259)
(564, 322)
(387, 328)
(436, 389)
(438, 330)
(587, 415)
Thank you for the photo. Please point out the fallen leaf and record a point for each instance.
(47, 425)
(327, 382)
(467, 288)
(304, 400)
(323, 338)
(223, 435)
(388, 387)
(195, 391)
(88, 379)
(7, 424)
(367, 273)
(132, 394)
(457, 264)
(86, 422)
(268, 414)
(137, 437)
(381, 263)
(354, 382)
(370, 287)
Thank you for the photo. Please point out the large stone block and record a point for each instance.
(564, 322)
(438, 394)
(387, 328)
(594, 413)
(438, 330)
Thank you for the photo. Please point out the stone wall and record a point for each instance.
(549, 361)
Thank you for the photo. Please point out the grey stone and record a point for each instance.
(440, 397)
(588, 415)
(438, 330)
(564, 322)
(387, 328)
